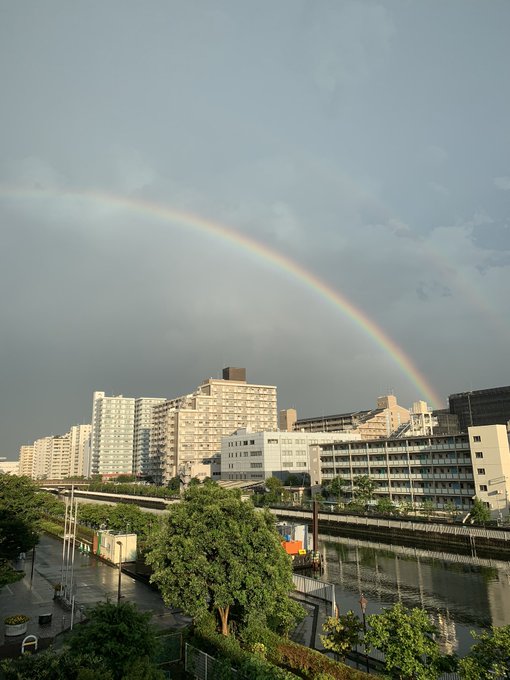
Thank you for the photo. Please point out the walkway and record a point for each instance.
(95, 581)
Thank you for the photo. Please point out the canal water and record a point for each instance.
(461, 593)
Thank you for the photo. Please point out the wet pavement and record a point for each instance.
(94, 581)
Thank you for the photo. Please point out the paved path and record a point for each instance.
(94, 580)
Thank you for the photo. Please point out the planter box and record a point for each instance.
(17, 629)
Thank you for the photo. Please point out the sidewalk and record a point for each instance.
(94, 581)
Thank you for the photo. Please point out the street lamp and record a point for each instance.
(119, 543)
(363, 604)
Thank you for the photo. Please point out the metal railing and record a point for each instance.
(203, 666)
(427, 527)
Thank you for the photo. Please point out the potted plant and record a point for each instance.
(58, 590)
(16, 625)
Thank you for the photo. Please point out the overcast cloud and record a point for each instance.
(368, 141)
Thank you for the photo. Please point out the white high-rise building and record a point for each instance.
(112, 435)
(143, 426)
(187, 431)
(79, 450)
(42, 457)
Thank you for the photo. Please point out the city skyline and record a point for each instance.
(316, 191)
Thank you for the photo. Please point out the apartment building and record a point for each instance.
(9, 467)
(441, 469)
(187, 431)
(142, 432)
(59, 456)
(79, 450)
(26, 460)
(252, 456)
(382, 421)
(42, 457)
(112, 434)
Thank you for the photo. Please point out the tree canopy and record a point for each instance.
(216, 553)
(489, 657)
(480, 513)
(118, 633)
(405, 636)
(20, 512)
(364, 488)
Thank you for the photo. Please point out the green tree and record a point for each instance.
(480, 513)
(364, 488)
(214, 553)
(118, 633)
(490, 657)
(275, 489)
(451, 509)
(405, 636)
(20, 512)
(342, 633)
(428, 508)
(385, 506)
(51, 666)
(337, 487)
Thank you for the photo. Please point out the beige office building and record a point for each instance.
(187, 431)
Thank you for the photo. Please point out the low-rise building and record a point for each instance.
(382, 421)
(251, 456)
(441, 469)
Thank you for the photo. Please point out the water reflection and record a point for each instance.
(460, 593)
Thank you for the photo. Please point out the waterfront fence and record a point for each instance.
(412, 526)
(315, 588)
(203, 666)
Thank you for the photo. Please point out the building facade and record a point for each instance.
(252, 456)
(440, 469)
(481, 407)
(79, 450)
(187, 431)
(382, 421)
(26, 460)
(112, 434)
(142, 433)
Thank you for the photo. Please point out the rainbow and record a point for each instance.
(266, 254)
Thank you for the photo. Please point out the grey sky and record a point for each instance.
(368, 141)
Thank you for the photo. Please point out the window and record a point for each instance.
(481, 471)
(479, 454)
(272, 441)
(255, 465)
(483, 487)
(477, 438)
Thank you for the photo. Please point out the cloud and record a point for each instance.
(502, 183)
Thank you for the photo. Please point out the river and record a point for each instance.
(461, 593)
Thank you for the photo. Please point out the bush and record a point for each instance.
(310, 664)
